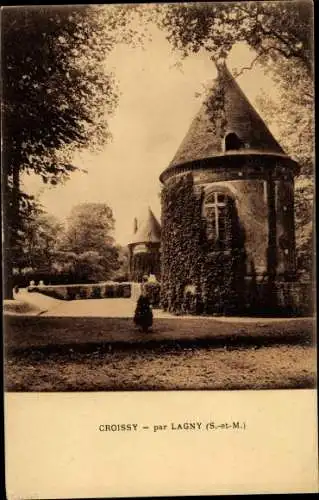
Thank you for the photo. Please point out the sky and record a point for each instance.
(157, 105)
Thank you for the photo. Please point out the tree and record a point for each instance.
(78, 268)
(216, 27)
(38, 242)
(56, 95)
(89, 228)
(122, 273)
(292, 112)
(89, 236)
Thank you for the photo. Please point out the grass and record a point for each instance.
(98, 354)
(54, 332)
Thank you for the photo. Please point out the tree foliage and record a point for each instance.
(89, 228)
(293, 117)
(88, 236)
(78, 268)
(41, 232)
(82, 250)
(217, 26)
(56, 97)
(56, 91)
(122, 273)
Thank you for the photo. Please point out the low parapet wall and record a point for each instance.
(85, 291)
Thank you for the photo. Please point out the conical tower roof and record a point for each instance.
(148, 229)
(225, 110)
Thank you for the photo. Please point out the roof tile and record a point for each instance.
(148, 230)
(225, 110)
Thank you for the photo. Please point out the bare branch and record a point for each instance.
(247, 68)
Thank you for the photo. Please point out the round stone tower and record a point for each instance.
(144, 248)
(228, 237)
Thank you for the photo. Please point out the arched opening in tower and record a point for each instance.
(233, 142)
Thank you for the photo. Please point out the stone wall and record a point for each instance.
(264, 193)
(252, 210)
(285, 232)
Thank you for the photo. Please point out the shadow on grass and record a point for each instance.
(56, 336)
(231, 343)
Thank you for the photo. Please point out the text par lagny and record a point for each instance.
(174, 426)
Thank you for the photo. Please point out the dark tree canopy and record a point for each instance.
(56, 92)
(38, 241)
(56, 98)
(217, 26)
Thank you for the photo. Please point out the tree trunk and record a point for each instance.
(7, 239)
(10, 217)
(7, 268)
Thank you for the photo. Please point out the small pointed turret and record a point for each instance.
(148, 229)
(144, 247)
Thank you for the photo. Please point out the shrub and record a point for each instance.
(54, 292)
(145, 263)
(71, 293)
(109, 291)
(84, 292)
(96, 292)
(153, 291)
(126, 290)
(120, 291)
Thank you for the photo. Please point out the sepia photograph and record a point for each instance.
(158, 243)
(158, 180)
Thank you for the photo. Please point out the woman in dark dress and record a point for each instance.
(143, 317)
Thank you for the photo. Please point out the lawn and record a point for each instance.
(23, 332)
(97, 354)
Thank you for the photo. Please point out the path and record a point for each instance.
(105, 308)
(38, 300)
